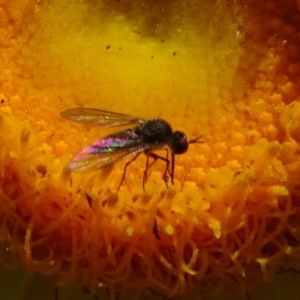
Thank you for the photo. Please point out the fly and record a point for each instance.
(145, 136)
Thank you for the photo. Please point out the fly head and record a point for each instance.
(178, 142)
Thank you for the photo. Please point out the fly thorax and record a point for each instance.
(154, 131)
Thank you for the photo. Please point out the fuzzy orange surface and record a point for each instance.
(229, 71)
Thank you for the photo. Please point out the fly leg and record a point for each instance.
(167, 172)
(155, 158)
(125, 167)
(148, 165)
(165, 178)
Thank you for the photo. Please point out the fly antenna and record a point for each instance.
(196, 140)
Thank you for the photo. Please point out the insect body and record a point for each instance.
(147, 136)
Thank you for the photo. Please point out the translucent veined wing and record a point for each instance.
(107, 151)
(104, 118)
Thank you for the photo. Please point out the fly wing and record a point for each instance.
(99, 117)
(107, 151)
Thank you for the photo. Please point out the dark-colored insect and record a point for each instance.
(147, 136)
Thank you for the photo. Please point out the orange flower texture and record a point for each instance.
(228, 71)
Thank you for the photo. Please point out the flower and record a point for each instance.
(231, 219)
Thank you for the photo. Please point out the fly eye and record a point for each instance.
(179, 143)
